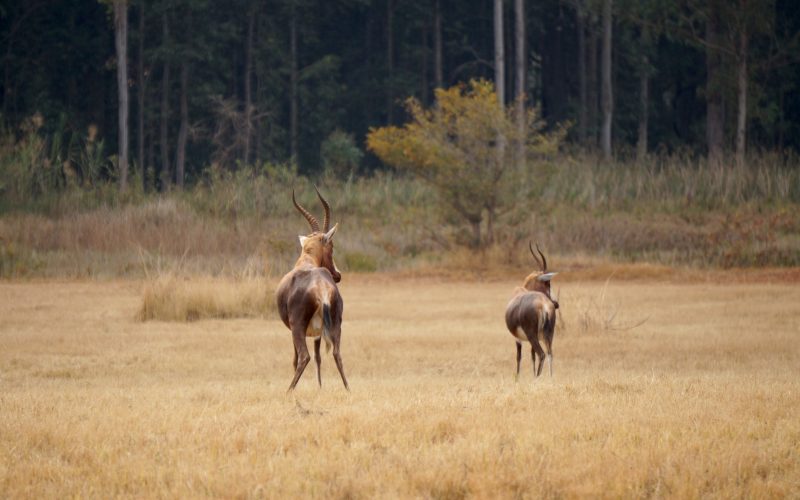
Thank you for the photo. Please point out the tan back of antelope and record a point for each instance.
(531, 315)
(308, 299)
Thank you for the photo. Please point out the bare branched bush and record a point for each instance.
(598, 314)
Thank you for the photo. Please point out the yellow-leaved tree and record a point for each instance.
(467, 147)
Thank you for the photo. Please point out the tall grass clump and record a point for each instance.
(670, 183)
(52, 168)
(387, 218)
(170, 297)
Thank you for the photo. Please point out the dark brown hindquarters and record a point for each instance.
(523, 314)
(299, 301)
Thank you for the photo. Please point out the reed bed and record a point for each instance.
(667, 212)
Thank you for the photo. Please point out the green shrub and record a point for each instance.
(16, 261)
(360, 262)
(340, 155)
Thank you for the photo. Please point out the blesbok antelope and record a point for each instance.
(531, 315)
(309, 302)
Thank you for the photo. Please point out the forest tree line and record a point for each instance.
(177, 85)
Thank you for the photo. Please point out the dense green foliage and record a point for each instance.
(470, 150)
(354, 64)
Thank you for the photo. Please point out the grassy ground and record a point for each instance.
(700, 400)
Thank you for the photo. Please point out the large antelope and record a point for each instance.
(309, 302)
(531, 315)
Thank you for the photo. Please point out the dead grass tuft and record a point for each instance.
(172, 298)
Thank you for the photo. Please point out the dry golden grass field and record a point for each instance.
(700, 400)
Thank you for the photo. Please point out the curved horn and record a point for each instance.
(544, 261)
(327, 221)
(310, 218)
(530, 247)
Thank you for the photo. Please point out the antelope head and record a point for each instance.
(317, 247)
(539, 281)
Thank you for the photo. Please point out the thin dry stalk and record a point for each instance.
(597, 315)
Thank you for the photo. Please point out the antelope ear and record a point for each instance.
(303, 241)
(329, 235)
(545, 276)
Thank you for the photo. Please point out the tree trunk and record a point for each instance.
(519, 36)
(248, 77)
(741, 119)
(715, 118)
(582, 111)
(293, 97)
(781, 113)
(592, 85)
(607, 95)
(499, 55)
(256, 128)
(558, 94)
(149, 173)
(7, 76)
(141, 95)
(437, 45)
(644, 97)
(183, 131)
(476, 233)
(165, 167)
(424, 65)
(389, 61)
(644, 90)
(491, 215)
(500, 86)
(121, 38)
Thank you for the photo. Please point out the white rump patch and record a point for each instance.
(519, 334)
(314, 329)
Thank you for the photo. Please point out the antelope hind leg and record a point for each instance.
(318, 359)
(338, 358)
(540, 353)
(299, 339)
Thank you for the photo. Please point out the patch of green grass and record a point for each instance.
(17, 261)
(359, 262)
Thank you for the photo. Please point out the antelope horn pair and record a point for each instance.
(312, 221)
(542, 263)
(544, 275)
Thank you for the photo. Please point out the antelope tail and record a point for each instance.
(544, 317)
(326, 326)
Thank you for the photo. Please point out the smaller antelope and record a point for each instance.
(531, 315)
(309, 302)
